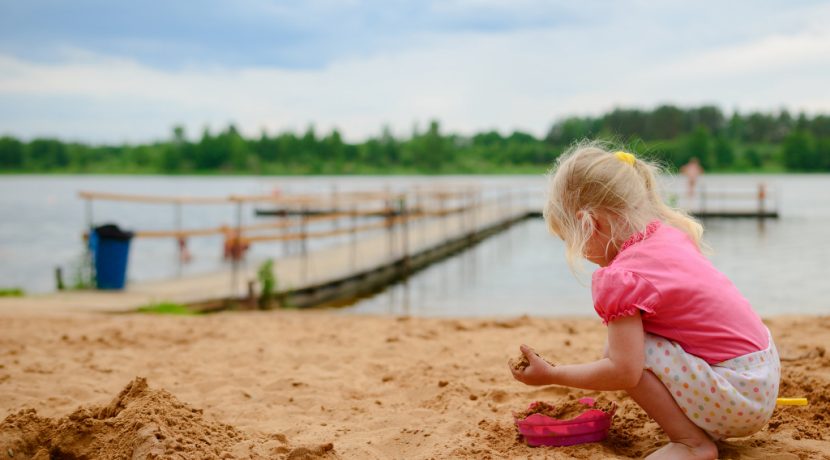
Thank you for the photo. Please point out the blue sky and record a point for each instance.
(113, 71)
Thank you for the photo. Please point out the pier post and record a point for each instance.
(250, 299)
(89, 214)
(236, 253)
(389, 211)
(177, 216)
(59, 279)
(353, 231)
(762, 198)
(285, 222)
(477, 211)
(335, 208)
(88, 256)
(442, 215)
(404, 215)
(303, 242)
(419, 210)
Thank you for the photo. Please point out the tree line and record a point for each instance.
(737, 142)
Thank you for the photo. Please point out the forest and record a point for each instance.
(736, 142)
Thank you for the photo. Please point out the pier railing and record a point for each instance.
(759, 201)
(415, 220)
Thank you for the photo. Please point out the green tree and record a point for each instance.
(799, 152)
(823, 153)
(752, 157)
(665, 122)
(699, 144)
(625, 122)
(267, 149)
(429, 151)
(236, 147)
(11, 153)
(709, 116)
(334, 149)
(569, 130)
(45, 154)
(209, 153)
(174, 152)
(724, 152)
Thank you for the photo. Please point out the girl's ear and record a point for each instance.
(587, 220)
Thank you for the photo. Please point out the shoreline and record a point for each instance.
(292, 383)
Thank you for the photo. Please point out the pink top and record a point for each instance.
(681, 295)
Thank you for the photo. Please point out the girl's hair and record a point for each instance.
(591, 179)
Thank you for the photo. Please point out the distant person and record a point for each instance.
(235, 245)
(692, 170)
(184, 253)
(682, 341)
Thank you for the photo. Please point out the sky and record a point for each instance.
(112, 71)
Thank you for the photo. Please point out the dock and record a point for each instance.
(760, 202)
(380, 236)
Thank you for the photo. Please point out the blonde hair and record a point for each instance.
(591, 179)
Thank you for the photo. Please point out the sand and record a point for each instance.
(520, 362)
(308, 385)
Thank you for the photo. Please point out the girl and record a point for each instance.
(682, 341)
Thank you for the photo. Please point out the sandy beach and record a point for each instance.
(326, 385)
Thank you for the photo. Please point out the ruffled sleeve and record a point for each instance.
(619, 293)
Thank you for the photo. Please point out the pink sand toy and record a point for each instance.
(589, 426)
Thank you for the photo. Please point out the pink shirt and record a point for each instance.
(680, 294)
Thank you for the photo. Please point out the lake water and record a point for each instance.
(781, 266)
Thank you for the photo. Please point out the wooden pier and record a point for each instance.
(379, 237)
(760, 202)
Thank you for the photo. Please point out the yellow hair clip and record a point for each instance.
(625, 157)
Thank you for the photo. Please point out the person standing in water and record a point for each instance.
(692, 170)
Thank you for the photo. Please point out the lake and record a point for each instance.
(780, 266)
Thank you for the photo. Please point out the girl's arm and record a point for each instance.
(621, 369)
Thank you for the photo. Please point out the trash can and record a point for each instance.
(111, 247)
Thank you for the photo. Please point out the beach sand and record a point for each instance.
(326, 385)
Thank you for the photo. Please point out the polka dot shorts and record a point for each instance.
(734, 398)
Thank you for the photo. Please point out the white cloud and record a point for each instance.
(522, 79)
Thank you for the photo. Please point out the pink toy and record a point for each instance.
(589, 426)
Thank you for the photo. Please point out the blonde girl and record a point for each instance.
(682, 341)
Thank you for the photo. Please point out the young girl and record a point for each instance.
(682, 341)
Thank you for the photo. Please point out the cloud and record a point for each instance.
(247, 33)
(471, 78)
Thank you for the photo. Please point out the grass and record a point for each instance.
(11, 292)
(167, 308)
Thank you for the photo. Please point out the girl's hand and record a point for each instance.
(537, 372)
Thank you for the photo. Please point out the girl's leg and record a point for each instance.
(688, 441)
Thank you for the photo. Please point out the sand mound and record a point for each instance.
(140, 423)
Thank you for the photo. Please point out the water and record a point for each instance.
(780, 266)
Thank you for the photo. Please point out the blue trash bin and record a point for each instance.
(111, 249)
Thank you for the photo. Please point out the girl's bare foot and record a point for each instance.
(706, 450)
